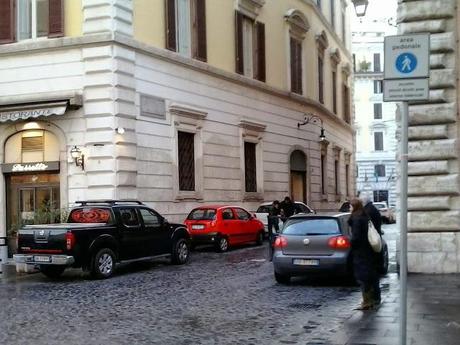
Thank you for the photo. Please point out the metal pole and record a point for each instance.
(403, 226)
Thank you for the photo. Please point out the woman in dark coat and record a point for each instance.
(364, 266)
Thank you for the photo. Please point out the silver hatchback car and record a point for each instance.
(316, 244)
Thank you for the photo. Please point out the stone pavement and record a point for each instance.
(433, 314)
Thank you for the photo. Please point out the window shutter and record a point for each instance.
(56, 18)
(7, 22)
(201, 30)
(186, 152)
(171, 25)
(260, 30)
(239, 59)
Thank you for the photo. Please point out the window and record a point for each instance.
(377, 111)
(334, 91)
(313, 226)
(346, 103)
(129, 217)
(379, 170)
(250, 47)
(30, 19)
(378, 141)
(186, 27)
(149, 218)
(318, 3)
(344, 27)
(333, 13)
(296, 66)
(378, 86)
(186, 153)
(337, 176)
(227, 214)
(320, 78)
(301, 208)
(377, 63)
(381, 195)
(347, 179)
(250, 171)
(242, 214)
(202, 214)
(323, 173)
(354, 63)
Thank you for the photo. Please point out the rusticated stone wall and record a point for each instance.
(434, 202)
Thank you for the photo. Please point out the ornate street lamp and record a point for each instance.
(360, 7)
(79, 158)
(317, 121)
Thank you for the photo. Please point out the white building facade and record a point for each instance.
(376, 172)
(164, 128)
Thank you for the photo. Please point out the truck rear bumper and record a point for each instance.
(44, 259)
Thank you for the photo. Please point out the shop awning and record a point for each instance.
(38, 105)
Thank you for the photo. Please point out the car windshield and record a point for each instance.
(264, 209)
(379, 206)
(312, 226)
(202, 214)
(91, 215)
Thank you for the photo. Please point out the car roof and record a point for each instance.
(217, 207)
(320, 215)
(268, 203)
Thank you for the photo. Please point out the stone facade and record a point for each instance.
(434, 202)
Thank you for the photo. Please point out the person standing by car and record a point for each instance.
(376, 219)
(274, 214)
(287, 208)
(364, 265)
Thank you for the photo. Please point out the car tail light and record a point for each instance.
(339, 242)
(280, 242)
(69, 240)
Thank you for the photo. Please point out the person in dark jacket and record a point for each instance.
(376, 219)
(287, 207)
(273, 223)
(364, 266)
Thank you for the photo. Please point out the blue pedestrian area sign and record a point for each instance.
(407, 56)
(407, 68)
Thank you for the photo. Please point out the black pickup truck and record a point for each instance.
(99, 234)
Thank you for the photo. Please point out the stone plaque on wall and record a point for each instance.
(153, 107)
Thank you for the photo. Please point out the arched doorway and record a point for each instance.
(32, 178)
(298, 176)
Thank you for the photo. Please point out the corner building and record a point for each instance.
(433, 168)
(175, 103)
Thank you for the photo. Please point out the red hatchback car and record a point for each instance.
(223, 226)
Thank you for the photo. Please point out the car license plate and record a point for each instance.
(42, 258)
(306, 262)
(198, 227)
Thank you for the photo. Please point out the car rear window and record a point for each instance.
(90, 215)
(264, 209)
(314, 226)
(202, 214)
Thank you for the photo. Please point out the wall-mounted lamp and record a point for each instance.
(309, 117)
(360, 7)
(120, 130)
(78, 156)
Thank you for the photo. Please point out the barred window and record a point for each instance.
(186, 149)
(250, 172)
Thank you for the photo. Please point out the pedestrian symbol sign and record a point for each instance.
(407, 56)
(406, 63)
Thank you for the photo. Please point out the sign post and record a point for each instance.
(407, 64)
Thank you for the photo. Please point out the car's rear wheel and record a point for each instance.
(52, 271)
(181, 252)
(222, 244)
(260, 238)
(103, 264)
(282, 278)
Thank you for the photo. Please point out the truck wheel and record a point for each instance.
(52, 271)
(181, 252)
(103, 264)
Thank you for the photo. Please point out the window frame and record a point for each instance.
(380, 170)
(378, 111)
(378, 134)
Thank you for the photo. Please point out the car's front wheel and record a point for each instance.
(222, 244)
(181, 252)
(260, 238)
(52, 271)
(103, 264)
(282, 278)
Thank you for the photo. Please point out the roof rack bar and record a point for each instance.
(110, 202)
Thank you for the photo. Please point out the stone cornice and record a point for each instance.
(298, 22)
(163, 54)
(321, 40)
(187, 111)
(252, 125)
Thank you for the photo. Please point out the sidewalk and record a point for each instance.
(433, 314)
